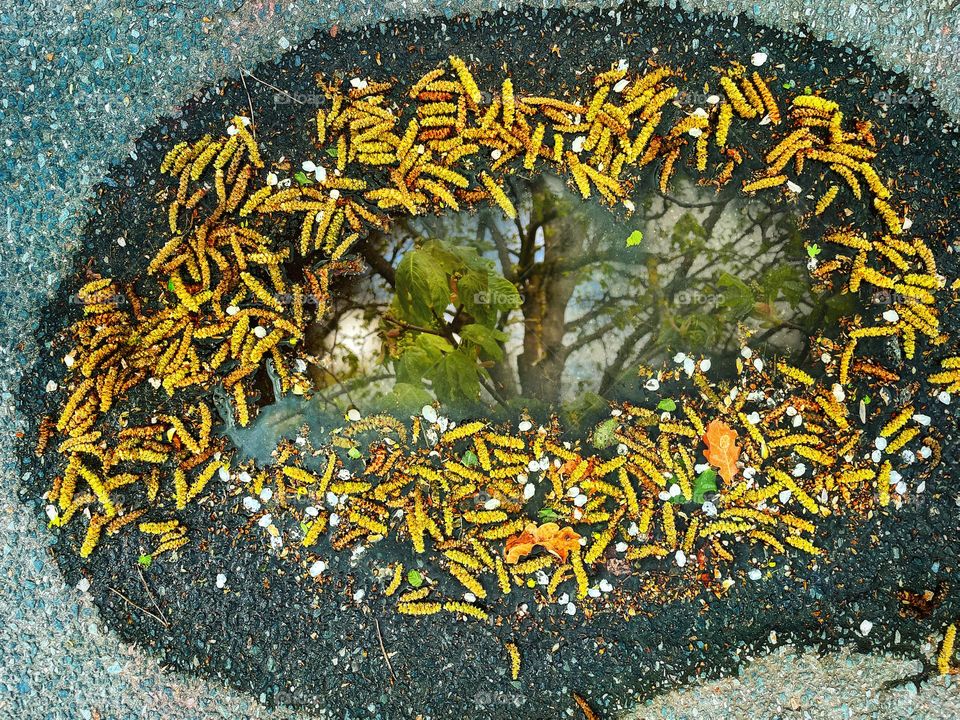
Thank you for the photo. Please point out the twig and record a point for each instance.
(253, 119)
(150, 594)
(138, 607)
(273, 87)
(393, 678)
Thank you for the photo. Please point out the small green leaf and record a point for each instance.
(667, 404)
(814, 250)
(706, 482)
(866, 399)
(301, 177)
(170, 284)
(603, 434)
(354, 453)
(677, 499)
(332, 152)
(635, 238)
(470, 459)
(547, 515)
(414, 578)
(145, 561)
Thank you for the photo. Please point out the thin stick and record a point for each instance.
(138, 607)
(272, 87)
(150, 593)
(393, 678)
(253, 119)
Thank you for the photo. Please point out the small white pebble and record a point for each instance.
(525, 426)
(922, 419)
(353, 415)
(944, 397)
(83, 585)
(571, 609)
(621, 86)
(793, 187)
(891, 316)
(265, 521)
(359, 595)
(68, 360)
(681, 558)
(429, 413)
(652, 384)
(469, 597)
(221, 581)
(491, 504)
(754, 574)
(52, 386)
(880, 443)
(758, 59)
(266, 494)
(260, 331)
(594, 592)
(318, 567)
(705, 365)
(605, 586)
(251, 504)
(865, 627)
(308, 166)
(529, 490)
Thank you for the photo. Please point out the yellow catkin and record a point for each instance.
(945, 656)
(419, 608)
(466, 79)
(395, 581)
(513, 653)
(580, 573)
(465, 609)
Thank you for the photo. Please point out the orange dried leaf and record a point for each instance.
(550, 536)
(722, 448)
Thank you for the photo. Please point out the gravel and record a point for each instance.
(78, 83)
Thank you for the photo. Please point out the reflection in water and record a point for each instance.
(564, 304)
